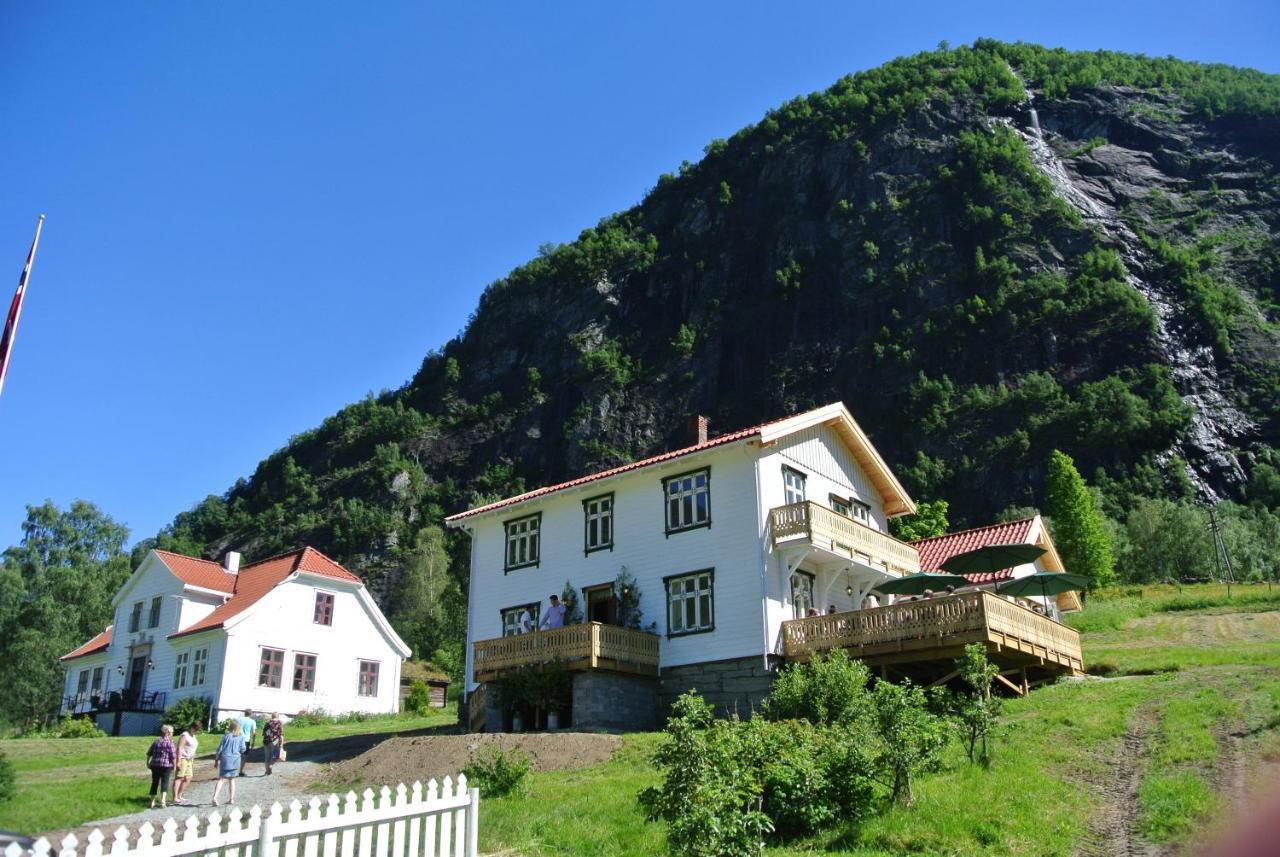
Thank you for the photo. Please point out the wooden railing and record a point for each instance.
(841, 534)
(937, 622)
(589, 646)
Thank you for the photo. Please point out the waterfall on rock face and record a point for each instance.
(1035, 121)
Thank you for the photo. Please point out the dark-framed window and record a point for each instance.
(597, 521)
(180, 669)
(270, 667)
(802, 594)
(154, 619)
(511, 618)
(198, 665)
(324, 609)
(792, 485)
(690, 602)
(688, 500)
(368, 678)
(304, 672)
(135, 618)
(842, 505)
(861, 511)
(523, 541)
(82, 683)
(97, 680)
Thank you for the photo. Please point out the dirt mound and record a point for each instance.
(403, 760)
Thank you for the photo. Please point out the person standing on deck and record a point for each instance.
(555, 614)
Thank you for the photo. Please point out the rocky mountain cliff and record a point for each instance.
(987, 253)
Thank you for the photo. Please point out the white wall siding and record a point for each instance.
(284, 619)
(829, 467)
(731, 545)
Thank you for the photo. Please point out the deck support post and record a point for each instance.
(1025, 688)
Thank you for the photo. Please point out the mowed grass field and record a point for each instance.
(1154, 750)
(65, 782)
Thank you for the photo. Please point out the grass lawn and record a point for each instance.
(64, 782)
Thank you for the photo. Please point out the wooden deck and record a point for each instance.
(839, 534)
(592, 646)
(921, 639)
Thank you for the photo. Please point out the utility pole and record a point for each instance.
(1220, 549)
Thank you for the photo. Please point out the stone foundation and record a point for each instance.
(738, 685)
(603, 700)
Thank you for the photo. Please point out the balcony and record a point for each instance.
(590, 646)
(810, 524)
(936, 630)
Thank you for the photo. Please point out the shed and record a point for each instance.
(437, 681)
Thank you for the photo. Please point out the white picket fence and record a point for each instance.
(440, 821)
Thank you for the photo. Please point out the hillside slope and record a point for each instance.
(988, 253)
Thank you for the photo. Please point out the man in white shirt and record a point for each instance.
(555, 614)
(526, 621)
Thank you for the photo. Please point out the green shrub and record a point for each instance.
(911, 737)
(186, 711)
(419, 699)
(8, 780)
(828, 689)
(310, 717)
(497, 773)
(78, 727)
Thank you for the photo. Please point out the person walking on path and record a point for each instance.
(161, 757)
(272, 740)
(230, 757)
(187, 745)
(248, 726)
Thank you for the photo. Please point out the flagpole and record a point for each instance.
(10, 331)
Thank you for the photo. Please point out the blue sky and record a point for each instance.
(258, 213)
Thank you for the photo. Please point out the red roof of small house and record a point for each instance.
(937, 550)
(199, 572)
(257, 579)
(97, 644)
(720, 440)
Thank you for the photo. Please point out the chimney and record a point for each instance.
(231, 562)
(697, 429)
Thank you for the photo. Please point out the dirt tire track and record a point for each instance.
(1114, 829)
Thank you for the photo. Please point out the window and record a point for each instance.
(688, 501)
(793, 485)
(598, 514)
(180, 670)
(198, 664)
(511, 618)
(689, 603)
(135, 618)
(304, 673)
(522, 542)
(154, 619)
(861, 511)
(851, 508)
(841, 505)
(97, 680)
(82, 684)
(324, 608)
(270, 668)
(368, 678)
(801, 594)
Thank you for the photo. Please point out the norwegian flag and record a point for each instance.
(15, 309)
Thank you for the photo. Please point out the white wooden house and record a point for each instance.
(737, 545)
(290, 633)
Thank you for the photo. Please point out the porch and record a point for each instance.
(589, 646)
(921, 639)
(811, 527)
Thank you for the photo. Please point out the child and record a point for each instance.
(161, 757)
(228, 758)
(187, 745)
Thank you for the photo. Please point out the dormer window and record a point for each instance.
(324, 609)
(523, 542)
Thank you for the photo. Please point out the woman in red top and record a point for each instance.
(161, 757)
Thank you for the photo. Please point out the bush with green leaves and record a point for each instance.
(8, 780)
(310, 717)
(419, 699)
(974, 710)
(497, 773)
(186, 711)
(830, 688)
(78, 727)
(911, 737)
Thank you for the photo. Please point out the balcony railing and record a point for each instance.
(841, 534)
(937, 623)
(589, 646)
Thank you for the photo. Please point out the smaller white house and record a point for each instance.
(287, 634)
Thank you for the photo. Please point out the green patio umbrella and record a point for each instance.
(914, 584)
(989, 558)
(1044, 584)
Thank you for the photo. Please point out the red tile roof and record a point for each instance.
(937, 550)
(257, 579)
(97, 644)
(721, 440)
(199, 572)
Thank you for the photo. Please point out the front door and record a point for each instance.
(802, 594)
(601, 605)
(137, 675)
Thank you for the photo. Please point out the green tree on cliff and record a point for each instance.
(1078, 527)
(929, 520)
